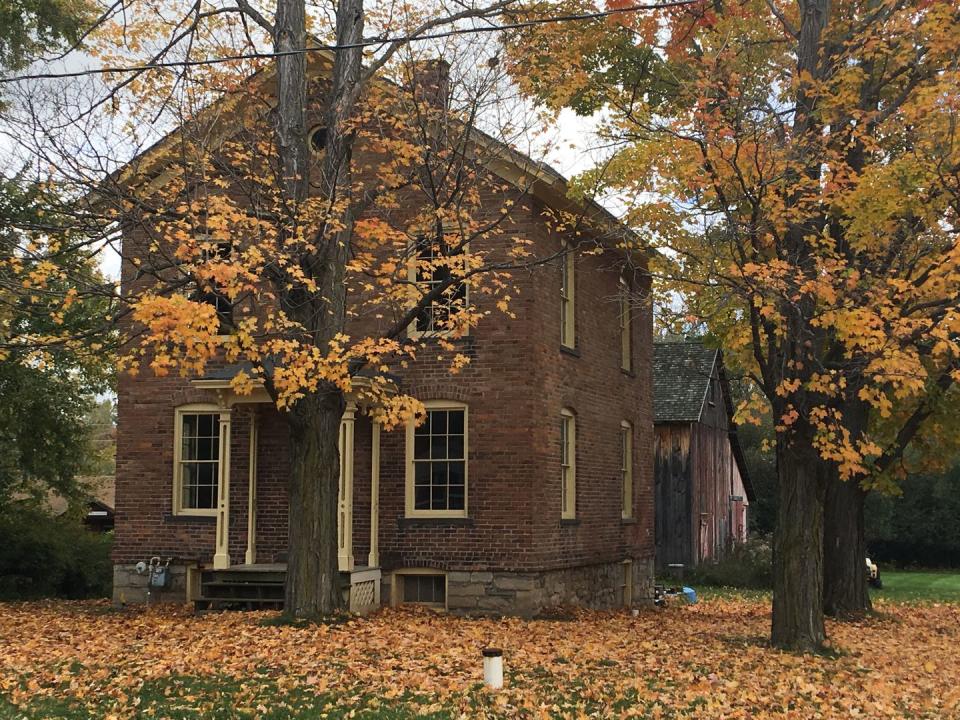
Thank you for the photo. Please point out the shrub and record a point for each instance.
(44, 556)
(747, 565)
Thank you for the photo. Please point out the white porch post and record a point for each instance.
(373, 559)
(251, 555)
(221, 556)
(345, 514)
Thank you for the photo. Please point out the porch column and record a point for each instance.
(251, 556)
(373, 559)
(221, 556)
(345, 514)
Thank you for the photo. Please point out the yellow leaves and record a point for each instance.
(789, 386)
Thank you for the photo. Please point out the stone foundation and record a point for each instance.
(131, 587)
(468, 593)
(527, 594)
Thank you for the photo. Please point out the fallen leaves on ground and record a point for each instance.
(705, 661)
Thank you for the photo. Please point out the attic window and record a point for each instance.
(318, 139)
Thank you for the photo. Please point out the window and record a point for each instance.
(437, 462)
(567, 291)
(626, 468)
(424, 589)
(197, 461)
(217, 252)
(433, 266)
(568, 464)
(626, 326)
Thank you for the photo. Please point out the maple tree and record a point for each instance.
(304, 213)
(798, 162)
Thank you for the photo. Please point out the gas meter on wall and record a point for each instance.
(159, 573)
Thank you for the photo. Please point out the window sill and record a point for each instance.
(569, 522)
(170, 518)
(417, 522)
(628, 373)
(575, 352)
(628, 521)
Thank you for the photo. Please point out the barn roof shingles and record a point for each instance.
(681, 378)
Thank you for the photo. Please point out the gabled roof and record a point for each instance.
(540, 179)
(681, 379)
(682, 370)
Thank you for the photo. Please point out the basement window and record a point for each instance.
(424, 589)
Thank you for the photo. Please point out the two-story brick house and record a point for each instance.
(528, 484)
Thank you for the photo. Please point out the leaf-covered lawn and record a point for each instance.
(83, 660)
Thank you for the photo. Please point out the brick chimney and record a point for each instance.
(430, 81)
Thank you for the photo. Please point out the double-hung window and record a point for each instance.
(435, 267)
(215, 252)
(626, 326)
(568, 465)
(568, 331)
(196, 461)
(626, 469)
(437, 462)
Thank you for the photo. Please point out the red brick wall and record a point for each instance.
(515, 386)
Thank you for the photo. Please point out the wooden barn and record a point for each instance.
(702, 487)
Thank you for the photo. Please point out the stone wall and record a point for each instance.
(129, 586)
(528, 593)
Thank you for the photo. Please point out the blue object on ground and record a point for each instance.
(690, 594)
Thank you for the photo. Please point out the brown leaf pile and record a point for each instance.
(703, 661)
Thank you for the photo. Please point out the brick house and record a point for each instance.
(528, 485)
(702, 487)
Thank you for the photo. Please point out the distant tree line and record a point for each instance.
(918, 528)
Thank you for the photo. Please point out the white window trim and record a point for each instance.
(410, 510)
(626, 470)
(626, 326)
(568, 490)
(191, 409)
(568, 297)
(412, 332)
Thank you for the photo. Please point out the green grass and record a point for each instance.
(908, 586)
(918, 586)
(222, 698)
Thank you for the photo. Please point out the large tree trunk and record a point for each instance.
(313, 588)
(313, 579)
(798, 549)
(845, 592)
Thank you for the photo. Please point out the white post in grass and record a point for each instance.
(493, 668)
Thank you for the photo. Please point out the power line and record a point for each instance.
(598, 15)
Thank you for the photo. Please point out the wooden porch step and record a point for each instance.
(258, 587)
(244, 587)
(204, 603)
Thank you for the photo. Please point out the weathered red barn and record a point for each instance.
(702, 490)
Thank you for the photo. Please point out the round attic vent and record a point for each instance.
(318, 139)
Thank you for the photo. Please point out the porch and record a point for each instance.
(258, 580)
(260, 586)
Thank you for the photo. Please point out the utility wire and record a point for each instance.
(599, 15)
